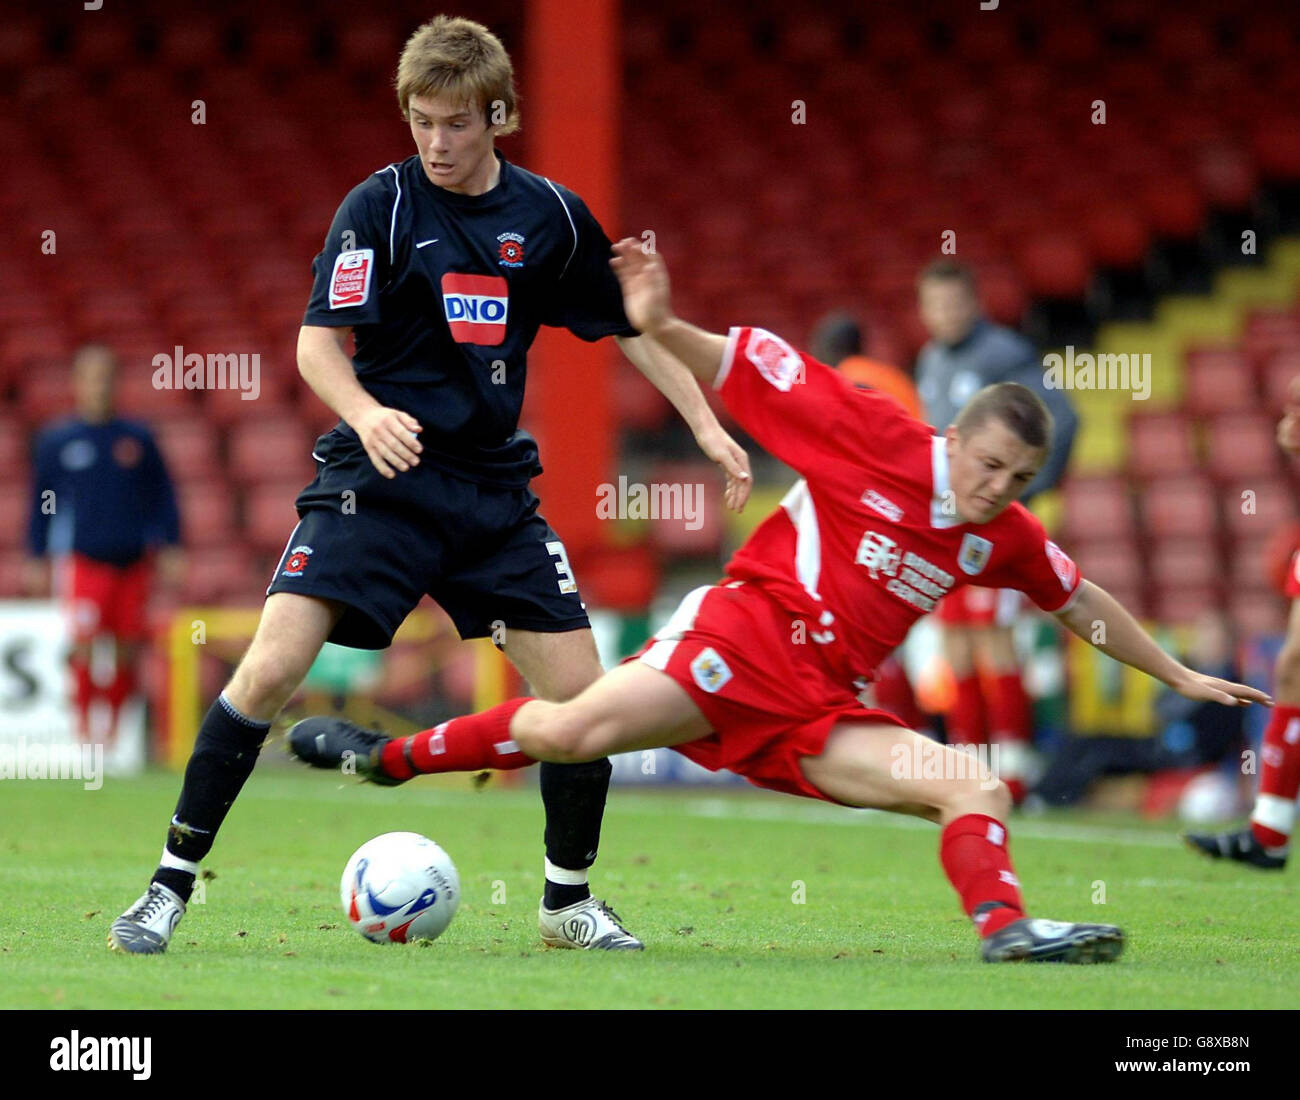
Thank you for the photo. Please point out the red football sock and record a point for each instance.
(894, 693)
(1011, 729)
(973, 851)
(467, 744)
(966, 719)
(1009, 718)
(1279, 778)
(119, 691)
(83, 691)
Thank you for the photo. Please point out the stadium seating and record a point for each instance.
(170, 233)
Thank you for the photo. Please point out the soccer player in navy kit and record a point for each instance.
(104, 510)
(443, 267)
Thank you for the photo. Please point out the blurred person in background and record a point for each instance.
(965, 353)
(1265, 841)
(103, 512)
(837, 341)
(1191, 734)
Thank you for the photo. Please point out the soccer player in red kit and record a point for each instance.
(1266, 840)
(760, 674)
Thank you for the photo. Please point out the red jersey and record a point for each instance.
(869, 540)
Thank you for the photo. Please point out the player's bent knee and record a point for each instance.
(266, 681)
(551, 732)
(986, 795)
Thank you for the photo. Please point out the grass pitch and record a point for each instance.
(744, 900)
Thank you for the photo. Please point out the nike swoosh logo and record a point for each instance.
(421, 244)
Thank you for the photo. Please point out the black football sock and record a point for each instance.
(224, 754)
(574, 798)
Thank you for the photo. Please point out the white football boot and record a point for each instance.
(147, 926)
(589, 925)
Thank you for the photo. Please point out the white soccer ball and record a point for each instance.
(1209, 799)
(400, 887)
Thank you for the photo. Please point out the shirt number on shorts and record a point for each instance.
(566, 582)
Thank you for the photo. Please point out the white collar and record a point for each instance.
(942, 487)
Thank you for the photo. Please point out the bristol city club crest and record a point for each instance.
(710, 671)
(974, 554)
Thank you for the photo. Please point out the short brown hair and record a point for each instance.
(944, 270)
(1017, 406)
(462, 59)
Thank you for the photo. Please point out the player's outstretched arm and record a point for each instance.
(648, 305)
(676, 383)
(1101, 621)
(388, 435)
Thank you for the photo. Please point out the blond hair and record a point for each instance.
(464, 60)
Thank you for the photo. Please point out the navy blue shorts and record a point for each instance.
(378, 545)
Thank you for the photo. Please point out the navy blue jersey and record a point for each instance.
(445, 293)
(112, 497)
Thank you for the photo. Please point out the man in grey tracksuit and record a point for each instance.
(965, 353)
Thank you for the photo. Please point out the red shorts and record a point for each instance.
(105, 599)
(975, 606)
(768, 697)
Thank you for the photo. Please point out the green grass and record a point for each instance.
(706, 878)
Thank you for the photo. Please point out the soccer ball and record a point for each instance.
(1209, 799)
(400, 887)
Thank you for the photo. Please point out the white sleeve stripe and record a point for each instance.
(392, 224)
(1074, 597)
(728, 355)
(565, 207)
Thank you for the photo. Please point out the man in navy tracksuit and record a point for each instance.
(103, 509)
(443, 267)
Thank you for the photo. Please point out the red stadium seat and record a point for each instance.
(682, 487)
(136, 396)
(1242, 445)
(1258, 506)
(15, 500)
(1218, 380)
(189, 448)
(1185, 562)
(1271, 331)
(1097, 505)
(1247, 563)
(269, 515)
(1112, 563)
(1179, 505)
(207, 513)
(1280, 370)
(1181, 606)
(218, 574)
(1159, 444)
(271, 448)
(12, 567)
(46, 395)
(1055, 265)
